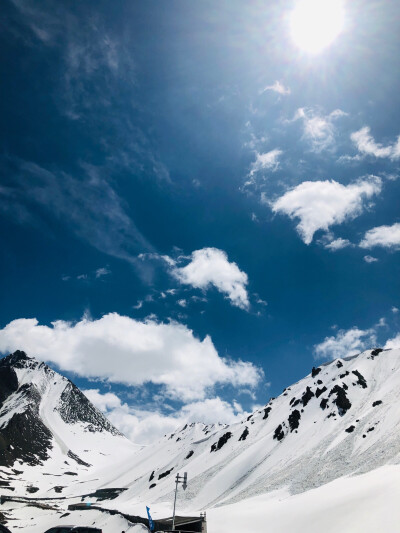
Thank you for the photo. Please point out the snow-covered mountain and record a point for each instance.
(48, 428)
(340, 420)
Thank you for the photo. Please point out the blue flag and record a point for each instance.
(151, 523)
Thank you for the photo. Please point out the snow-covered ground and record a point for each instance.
(368, 503)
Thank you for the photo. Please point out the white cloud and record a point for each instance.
(338, 244)
(393, 343)
(120, 349)
(266, 161)
(395, 310)
(277, 87)
(385, 236)
(321, 204)
(370, 259)
(345, 343)
(319, 130)
(145, 426)
(366, 144)
(210, 266)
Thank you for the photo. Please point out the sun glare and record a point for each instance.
(315, 24)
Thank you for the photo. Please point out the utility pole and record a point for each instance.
(183, 480)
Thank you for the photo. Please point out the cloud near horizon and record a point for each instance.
(345, 343)
(143, 426)
(322, 204)
(120, 349)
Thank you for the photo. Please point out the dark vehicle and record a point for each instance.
(74, 529)
(4, 529)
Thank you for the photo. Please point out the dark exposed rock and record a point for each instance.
(315, 371)
(189, 455)
(221, 442)
(370, 429)
(319, 381)
(319, 391)
(279, 434)
(294, 420)
(76, 458)
(324, 403)
(153, 485)
(345, 386)
(361, 379)
(307, 396)
(350, 429)
(376, 352)
(378, 402)
(339, 364)
(166, 473)
(344, 375)
(267, 410)
(152, 476)
(58, 489)
(341, 400)
(249, 417)
(244, 435)
(32, 489)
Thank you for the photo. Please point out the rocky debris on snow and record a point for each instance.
(294, 419)
(378, 402)
(324, 403)
(361, 379)
(243, 436)
(342, 402)
(166, 473)
(267, 410)
(189, 455)
(319, 391)
(339, 364)
(350, 429)
(151, 476)
(221, 442)
(153, 485)
(279, 434)
(315, 371)
(308, 394)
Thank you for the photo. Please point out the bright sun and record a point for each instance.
(315, 24)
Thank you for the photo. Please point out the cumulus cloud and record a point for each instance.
(144, 426)
(120, 349)
(366, 144)
(384, 236)
(345, 343)
(319, 130)
(277, 87)
(321, 204)
(210, 267)
(393, 343)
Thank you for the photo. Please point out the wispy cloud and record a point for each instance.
(370, 259)
(383, 236)
(277, 87)
(86, 204)
(318, 130)
(322, 204)
(367, 145)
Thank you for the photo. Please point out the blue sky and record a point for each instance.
(194, 210)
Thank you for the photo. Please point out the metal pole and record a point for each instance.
(176, 492)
